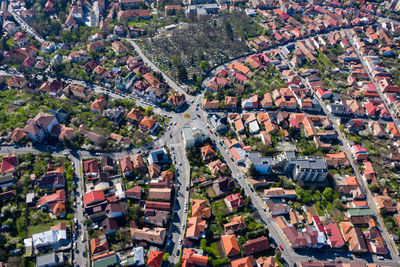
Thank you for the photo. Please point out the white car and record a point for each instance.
(180, 241)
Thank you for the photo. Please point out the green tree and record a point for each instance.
(166, 257)
(204, 65)
(182, 73)
(327, 193)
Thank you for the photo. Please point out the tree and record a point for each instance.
(204, 65)
(252, 171)
(165, 257)
(182, 73)
(373, 187)
(337, 204)
(327, 193)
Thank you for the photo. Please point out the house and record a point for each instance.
(234, 201)
(113, 210)
(250, 103)
(51, 180)
(91, 167)
(207, 152)
(231, 102)
(158, 156)
(262, 165)
(200, 209)
(93, 197)
(134, 116)
(309, 169)
(154, 170)
(106, 259)
(230, 245)
(17, 82)
(223, 186)
(18, 135)
(385, 204)
(51, 259)
(95, 46)
(335, 160)
(98, 105)
(116, 115)
(126, 165)
(248, 261)
(335, 239)
(278, 192)
(125, 83)
(109, 226)
(124, 15)
(49, 201)
(155, 258)
(40, 126)
(256, 245)
(6, 180)
(353, 237)
(193, 257)
(98, 246)
(155, 205)
(48, 47)
(153, 236)
(267, 262)
(276, 207)
(134, 193)
(152, 80)
(392, 130)
(160, 194)
(359, 152)
(47, 238)
(236, 224)
(210, 104)
(176, 100)
(74, 91)
(217, 167)
(148, 124)
(9, 163)
(118, 47)
(107, 164)
(156, 95)
(195, 229)
(138, 163)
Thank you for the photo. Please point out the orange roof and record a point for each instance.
(135, 114)
(98, 104)
(244, 262)
(195, 227)
(200, 209)
(98, 246)
(262, 117)
(231, 245)
(340, 155)
(207, 151)
(191, 258)
(148, 123)
(241, 68)
(155, 258)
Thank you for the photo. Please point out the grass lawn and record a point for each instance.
(214, 247)
(34, 229)
(186, 116)
(197, 196)
(323, 59)
(210, 192)
(219, 207)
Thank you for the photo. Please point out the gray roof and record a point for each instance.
(255, 158)
(311, 163)
(6, 177)
(50, 259)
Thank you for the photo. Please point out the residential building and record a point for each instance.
(230, 245)
(234, 201)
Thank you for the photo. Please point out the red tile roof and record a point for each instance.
(93, 196)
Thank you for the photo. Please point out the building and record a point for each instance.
(155, 258)
(153, 236)
(262, 165)
(230, 245)
(195, 134)
(49, 260)
(256, 245)
(234, 201)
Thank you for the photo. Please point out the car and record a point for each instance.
(16, 146)
(380, 258)
(169, 243)
(75, 237)
(183, 226)
(66, 154)
(349, 255)
(97, 154)
(180, 241)
(180, 163)
(83, 238)
(187, 188)
(185, 210)
(185, 203)
(331, 260)
(211, 131)
(170, 135)
(310, 260)
(280, 247)
(77, 251)
(177, 252)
